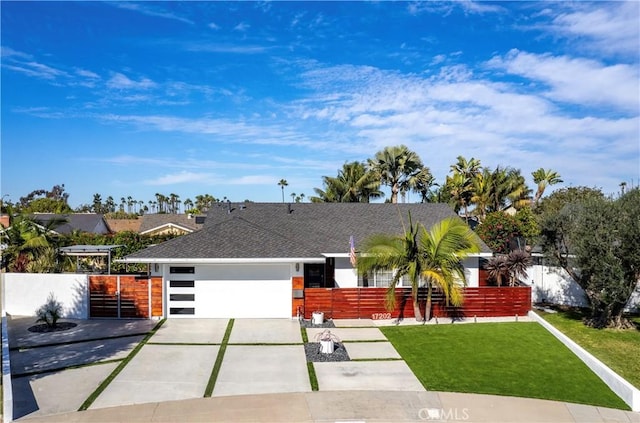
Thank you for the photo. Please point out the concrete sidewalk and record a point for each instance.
(353, 406)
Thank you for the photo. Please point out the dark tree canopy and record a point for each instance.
(595, 239)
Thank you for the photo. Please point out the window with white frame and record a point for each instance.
(380, 279)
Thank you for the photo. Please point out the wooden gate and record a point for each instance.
(125, 296)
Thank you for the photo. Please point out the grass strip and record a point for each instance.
(513, 359)
(218, 364)
(313, 379)
(614, 347)
(58, 369)
(87, 403)
(303, 334)
(80, 341)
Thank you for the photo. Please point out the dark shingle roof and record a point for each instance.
(300, 230)
(83, 222)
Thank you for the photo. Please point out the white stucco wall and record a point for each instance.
(472, 271)
(24, 293)
(554, 285)
(345, 274)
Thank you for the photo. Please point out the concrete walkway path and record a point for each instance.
(263, 376)
(352, 406)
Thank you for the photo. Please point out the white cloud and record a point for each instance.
(609, 27)
(87, 74)
(576, 80)
(179, 178)
(242, 27)
(148, 10)
(213, 25)
(120, 81)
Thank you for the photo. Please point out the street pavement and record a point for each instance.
(263, 376)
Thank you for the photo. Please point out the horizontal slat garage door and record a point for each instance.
(231, 291)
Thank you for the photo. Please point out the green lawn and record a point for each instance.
(618, 349)
(516, 359)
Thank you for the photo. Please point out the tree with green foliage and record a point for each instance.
(432, 258)
(595, 240)
(499, 231)
(397, 167)
(31, 243)
(544, 178)
(353, 184)
(282, 183)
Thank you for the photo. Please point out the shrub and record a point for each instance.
(50, 312)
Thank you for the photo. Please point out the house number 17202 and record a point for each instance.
(380, 316)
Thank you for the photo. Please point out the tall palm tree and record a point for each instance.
(431, 257)
(283, 183)
(544, 178)
(354, 184)
(469, 168)
(424, 182)
(396, 166)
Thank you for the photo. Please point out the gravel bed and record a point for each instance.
(312, 351)
(44, 328)
(309, 324)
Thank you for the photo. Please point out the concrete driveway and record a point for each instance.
(260, 356)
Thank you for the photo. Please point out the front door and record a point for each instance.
(314, 275)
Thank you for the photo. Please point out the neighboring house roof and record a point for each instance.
(122, 225)
(83, 222)
(252, 231)
(159, 222)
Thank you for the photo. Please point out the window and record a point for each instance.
(173, 269)
(182, 284)
(182, 297)
(380, 279)
(200, 220)
(182, 310)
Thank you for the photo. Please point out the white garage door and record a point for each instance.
(230, 291)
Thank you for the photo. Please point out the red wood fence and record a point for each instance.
(368, 303)
(124, 296)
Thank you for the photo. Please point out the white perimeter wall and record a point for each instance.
(24, 293)
(554, 285)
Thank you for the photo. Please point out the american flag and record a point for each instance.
(352, 252)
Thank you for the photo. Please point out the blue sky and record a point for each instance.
(227, 98)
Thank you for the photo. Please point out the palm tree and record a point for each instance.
(518, 261)
(396, 167)
(424, 181)
(283, 183)
(544, 178)
(462, 182)
(497, 268)
(431, 257)
(352, 185)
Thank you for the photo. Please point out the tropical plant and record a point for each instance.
(50, 312)
(431, 258)
(544, 178)
(397, 167)
(518, 261)
(26, 239)
(353, 184)
(283, 183)
(497, 268)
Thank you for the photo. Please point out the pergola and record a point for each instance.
(89, 251)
